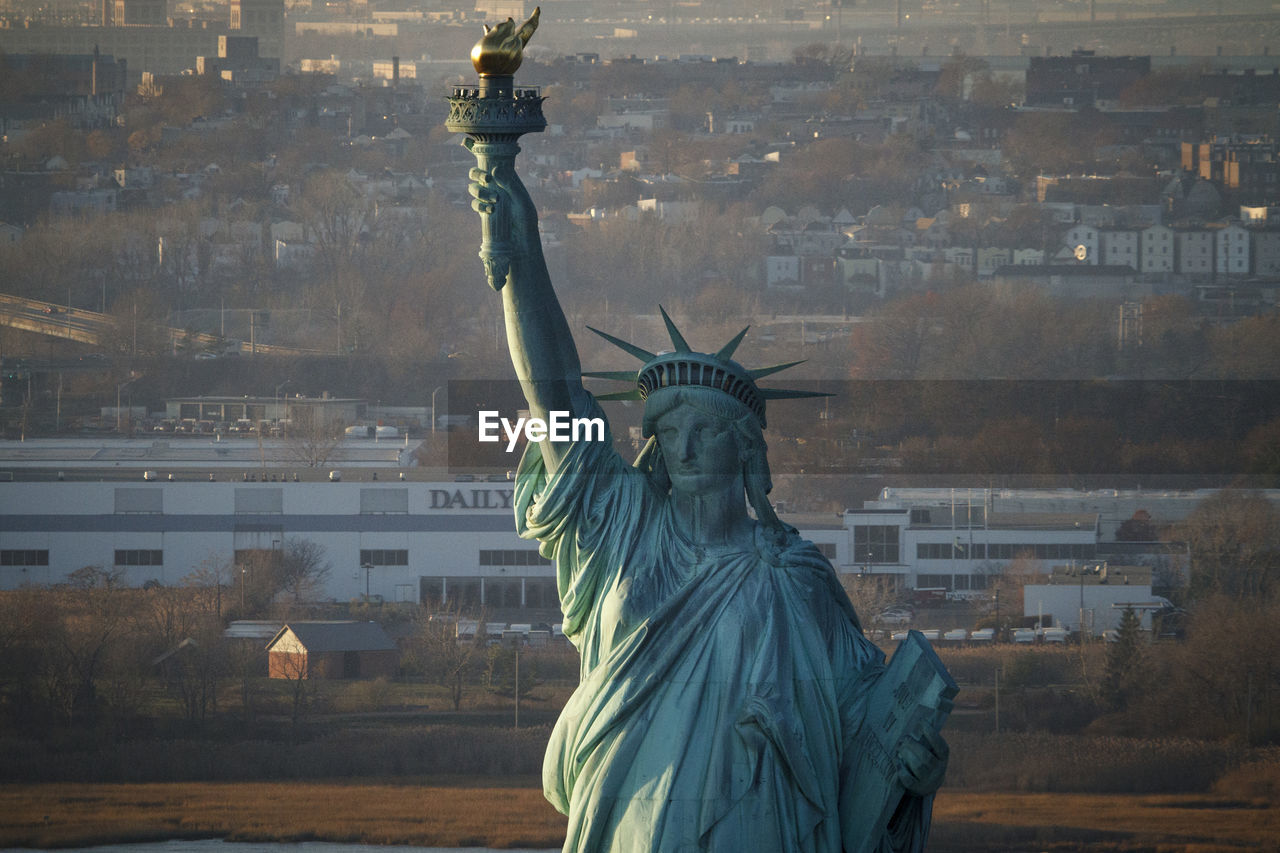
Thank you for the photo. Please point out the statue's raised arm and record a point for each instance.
(494, 115)
(542, 348)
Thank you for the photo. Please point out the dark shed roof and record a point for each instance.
(338, 636)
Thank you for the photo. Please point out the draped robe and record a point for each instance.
(721, 688)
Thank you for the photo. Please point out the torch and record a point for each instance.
(494, 115)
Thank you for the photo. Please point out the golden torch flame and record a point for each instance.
(501, 49)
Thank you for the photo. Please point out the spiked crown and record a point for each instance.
(686, 367)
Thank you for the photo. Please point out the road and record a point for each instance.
(91, 327)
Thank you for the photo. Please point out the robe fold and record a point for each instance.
(721, 688)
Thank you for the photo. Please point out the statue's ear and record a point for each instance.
(486, 28)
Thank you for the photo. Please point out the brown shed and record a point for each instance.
(332, 650)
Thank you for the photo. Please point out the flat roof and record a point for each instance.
(196, 453)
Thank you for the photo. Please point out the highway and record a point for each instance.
(93, 328)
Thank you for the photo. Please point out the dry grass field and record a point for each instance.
(511, 812)
(1102, 822)
(438, 812)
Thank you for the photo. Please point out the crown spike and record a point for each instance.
(633, 394)
(632, 349)
(777, 368)
(677, 339)
(728, 349)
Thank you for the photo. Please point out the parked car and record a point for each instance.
(956, 635)
(902, 615)
(1054, 635)
(983, 635)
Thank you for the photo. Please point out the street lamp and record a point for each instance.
(368, 570)
(120, 388)
(433, 408)
(278, 387)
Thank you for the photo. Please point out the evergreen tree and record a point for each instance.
(1124, 660)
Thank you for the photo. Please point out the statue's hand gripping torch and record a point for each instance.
(494, 115)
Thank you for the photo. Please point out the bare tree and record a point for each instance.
(311, 438)
(303, 570)
(1005, 585)
(1231, 538)
(207, 583)
(182, 629)
(442, 655)
(93, 608)
(871, 595)
(28, 626)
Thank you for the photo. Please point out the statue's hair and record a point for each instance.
(749, 437)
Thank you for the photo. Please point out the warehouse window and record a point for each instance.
(24, 557)
(513, 557)
(384, 556)
(139, 557)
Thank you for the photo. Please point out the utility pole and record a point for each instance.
(997, 700)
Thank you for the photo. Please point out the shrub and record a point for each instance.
(1256, 780)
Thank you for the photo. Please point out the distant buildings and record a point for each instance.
(86, 89)
(139, 33)
(1082, 79)
(433, 542)
(1245, 168)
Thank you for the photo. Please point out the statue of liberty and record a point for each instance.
(726, 689)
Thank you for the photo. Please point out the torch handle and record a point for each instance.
(496, 246)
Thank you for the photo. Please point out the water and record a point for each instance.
(213, 845)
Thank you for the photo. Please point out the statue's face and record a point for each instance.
(700, 450)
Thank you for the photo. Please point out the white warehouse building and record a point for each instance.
(410, 534)
(427, 540)
(404, 541)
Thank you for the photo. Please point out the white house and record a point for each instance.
(1157, 250)
(1266, 251)
(1231, 250)
(991, 258)
(1120, 247)
(782, 270)
(1084, 243)
(1194, 251)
